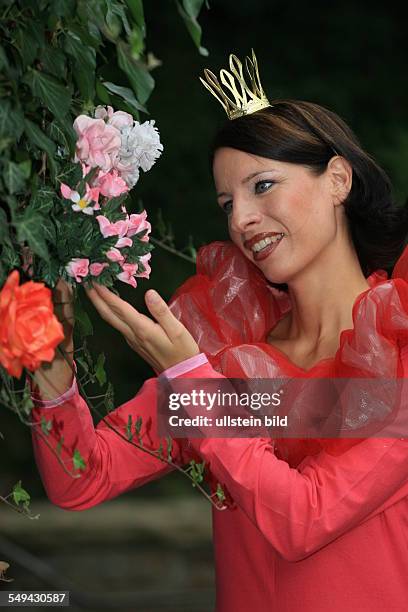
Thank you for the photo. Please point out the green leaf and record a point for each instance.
(136, 40)
(136, 9)
(3, 59)
(43, 200)
(15, 176)
(102, 93)
(100, 370)
(49, 271)
(84, 64)
(27, 403)
(29, 228)
(50, 92)
(125, 93)
(169, 447)
(11, 122)
(138, 75)
(82, 320)
(46, 426)
(129, 432)
(138, 425)
(189, 12)
(109, 401)
(4, 228)
(59, 446)
(220, 493)
(20, 495)
(37, 137)
(53, 61)
(78, 461)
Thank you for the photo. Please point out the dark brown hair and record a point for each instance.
(305, 133)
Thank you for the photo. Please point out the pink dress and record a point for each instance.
(315, 525)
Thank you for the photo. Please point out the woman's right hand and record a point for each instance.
(53, 379)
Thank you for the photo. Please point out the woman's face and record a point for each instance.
(261, 196)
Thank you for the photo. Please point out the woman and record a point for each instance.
(311, 524)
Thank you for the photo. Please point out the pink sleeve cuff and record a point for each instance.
(58, 400)
(185, 366)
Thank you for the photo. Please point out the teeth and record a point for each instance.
(258, 246)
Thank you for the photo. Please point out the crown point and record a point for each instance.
(247, 98)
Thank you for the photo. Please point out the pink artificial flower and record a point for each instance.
(98, 142)
(144, 259)
(115, 255)
(137, 223)
(78, 268)
(120, 119)
(112, 229)
(85, 169)
(111, 184)
(102, 113)
(123, 242)
(82, 204)
(96, 268)
(127, 274)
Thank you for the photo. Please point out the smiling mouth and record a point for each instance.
(263, 248)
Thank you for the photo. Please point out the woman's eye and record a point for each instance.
(262, 186)
(225, 207)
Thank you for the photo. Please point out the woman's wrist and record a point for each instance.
(53, 380)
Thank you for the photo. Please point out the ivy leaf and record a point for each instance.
(20, 495)
(4, 231)
(138, 75)
(220, 493)
(78, 461)
(59, 446)
(27, 403)
(100, 370)
(11, 122)
(46, 426)
(169, 447)
(37, 137)
(82, 319)
(84, 64)
(43, 200)
(50, 92)
(129, 432)
(15, 175)
(29, 228)
(126, 94)
(109, 398)
(53, 60)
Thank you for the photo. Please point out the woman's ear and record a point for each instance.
(341, 178)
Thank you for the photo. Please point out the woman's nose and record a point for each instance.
(243, 217)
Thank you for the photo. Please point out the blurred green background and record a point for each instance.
(350, 57)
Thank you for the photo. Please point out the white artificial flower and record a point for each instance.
(140, 147)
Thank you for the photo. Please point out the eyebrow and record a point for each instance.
(248, 178)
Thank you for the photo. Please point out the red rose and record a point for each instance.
(29, 330)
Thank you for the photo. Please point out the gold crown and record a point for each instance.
(247, 98)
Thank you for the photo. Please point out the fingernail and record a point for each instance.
(153, 297)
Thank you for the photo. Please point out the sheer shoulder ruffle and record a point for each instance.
(228, 302)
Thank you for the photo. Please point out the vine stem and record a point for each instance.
(172, 250)
(4, 500)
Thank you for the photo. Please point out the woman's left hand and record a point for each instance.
(162, 344)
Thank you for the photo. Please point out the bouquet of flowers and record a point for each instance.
(88, 233)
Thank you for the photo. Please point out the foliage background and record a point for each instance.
(348, 56)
